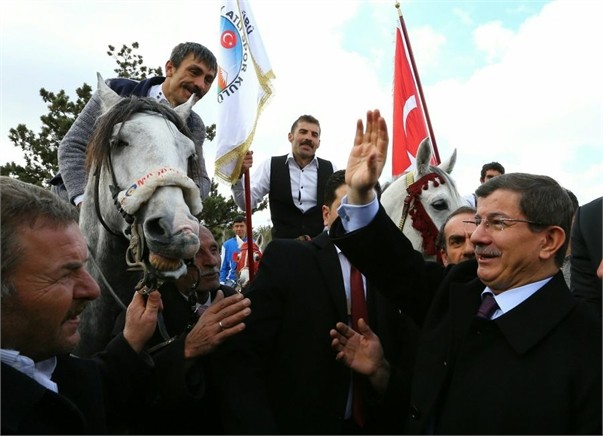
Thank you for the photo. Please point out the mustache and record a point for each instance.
(209, 272)
(308, 142)
(76, 310)
(195, 90)
(481, 251)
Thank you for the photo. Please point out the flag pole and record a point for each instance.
(250, 253)
(418, 80)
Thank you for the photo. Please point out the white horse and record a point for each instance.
(141, 208)
(420, 200)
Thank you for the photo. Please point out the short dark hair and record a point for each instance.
(541, 200)
(306, 119)
(334, 181)
(238, 219)
(23, 205)
(200, 52)
(491, 166)
(573, 199)
(441, 239)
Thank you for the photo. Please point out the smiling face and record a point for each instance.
(52, 286)
(514, 256)
(192, 76)
(305, 140)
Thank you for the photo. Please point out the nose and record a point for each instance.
(202, 84)
(480, 236)
(86, 287)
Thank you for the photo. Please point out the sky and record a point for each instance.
(517, 82)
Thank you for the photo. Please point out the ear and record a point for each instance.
(448, 165)
(169, 68)
(184, 110)
(444, 257)
(325, 215)
(423, 158)
(108, 97)
(260, 241)
(290, 137)
(553, 239)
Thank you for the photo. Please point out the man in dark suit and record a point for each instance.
(280, 375)
(532, 365)
(586, 252)
(45, 287)
(198, 315)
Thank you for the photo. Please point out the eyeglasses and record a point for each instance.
(497, 224)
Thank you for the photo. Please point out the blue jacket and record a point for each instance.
(229, 265)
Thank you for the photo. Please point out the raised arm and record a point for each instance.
(367, 158)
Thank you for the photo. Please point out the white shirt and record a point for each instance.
(38, 371)
(304, 182)
(354, 217)
(510, 299)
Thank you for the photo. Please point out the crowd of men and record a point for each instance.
(345, 329)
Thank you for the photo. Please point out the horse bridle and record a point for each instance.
(135, 251)
(420, 218)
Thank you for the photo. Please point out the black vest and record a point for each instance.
(288, 222)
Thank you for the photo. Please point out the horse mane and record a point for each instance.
(100, 144)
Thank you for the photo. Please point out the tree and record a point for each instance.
(40, 149)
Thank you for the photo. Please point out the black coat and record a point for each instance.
(534, 370)
(280, 375)
(184, 400)
(94, 394)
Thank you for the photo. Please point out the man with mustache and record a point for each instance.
(190, 70)
(45, 287)
(454, 240)
(294, 182)
(198, 315)
(505, 348)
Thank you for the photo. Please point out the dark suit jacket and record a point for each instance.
(184, 400)
(94, 394)
(586, 252)
(534, 370)
(280, 375)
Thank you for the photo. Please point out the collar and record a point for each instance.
(39, 371)
(509, 300)
(156, 93)
(291, 158)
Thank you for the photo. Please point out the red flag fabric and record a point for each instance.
(409, 126)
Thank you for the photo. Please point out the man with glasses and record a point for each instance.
(531, 364)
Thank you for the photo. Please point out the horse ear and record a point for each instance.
(259, 241)
(108, 97)
(423, 157)
(184, 110)
(448, 165)
(239, 241)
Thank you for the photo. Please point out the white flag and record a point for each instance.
(244, 87)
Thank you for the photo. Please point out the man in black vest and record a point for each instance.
(294, 183)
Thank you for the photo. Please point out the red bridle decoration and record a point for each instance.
(420, 219)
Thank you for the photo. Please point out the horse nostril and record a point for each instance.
(155, 227)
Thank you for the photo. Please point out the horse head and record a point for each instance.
(420, 200)
(141, 207)
(242, 259)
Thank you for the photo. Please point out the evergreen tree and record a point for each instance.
(40, 149)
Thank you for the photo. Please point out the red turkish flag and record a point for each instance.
(409, 127)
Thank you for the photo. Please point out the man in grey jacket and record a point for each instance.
(191, 69)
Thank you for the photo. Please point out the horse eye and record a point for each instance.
(256, 257)
(440, 205)
(116, 142)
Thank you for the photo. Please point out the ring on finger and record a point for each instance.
(221, 326)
